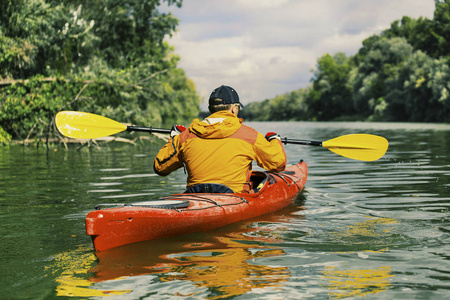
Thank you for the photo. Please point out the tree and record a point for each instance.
(330, 96)
(379, 62)
(424, 83)
(442, 28)
(107, 57)
(429, 36)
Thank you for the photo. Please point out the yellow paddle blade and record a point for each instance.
(81, 125)
(365, 147)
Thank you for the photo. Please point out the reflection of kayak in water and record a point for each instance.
(186, 213)
(220, 266)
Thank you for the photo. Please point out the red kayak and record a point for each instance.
(186, 213)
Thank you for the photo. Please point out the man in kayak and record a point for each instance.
(218, 151)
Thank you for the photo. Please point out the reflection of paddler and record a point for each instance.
(223, 265)
(227, 272)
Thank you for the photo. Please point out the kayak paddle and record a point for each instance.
(367, 147)
(81, 125)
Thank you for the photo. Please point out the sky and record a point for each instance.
(265, 48)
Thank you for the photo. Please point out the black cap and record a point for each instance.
(226, 94)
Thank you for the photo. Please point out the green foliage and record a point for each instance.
(27, 108)
(429, 36)
(5, 138)
(378, 66)
(422, 84)
(289, 106)
(107, 57)
(330, 92)
(403, 74)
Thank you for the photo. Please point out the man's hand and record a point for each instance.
(272, 135)
(176, 130)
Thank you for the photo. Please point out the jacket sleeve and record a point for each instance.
(270, 155)
(168, 158)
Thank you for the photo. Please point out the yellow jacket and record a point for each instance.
(220, 149)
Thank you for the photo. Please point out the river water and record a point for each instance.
(372, 230)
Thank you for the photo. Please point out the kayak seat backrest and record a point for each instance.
(257, 181)
(208, 188)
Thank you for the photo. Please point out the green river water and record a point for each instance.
(361, 230)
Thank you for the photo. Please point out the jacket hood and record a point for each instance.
(218, 125)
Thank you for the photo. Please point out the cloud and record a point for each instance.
(264, 48)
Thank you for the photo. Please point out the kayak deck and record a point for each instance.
(186, 213)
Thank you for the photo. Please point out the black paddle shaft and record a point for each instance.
(162, 130)
(148, 129)
(300, 142)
